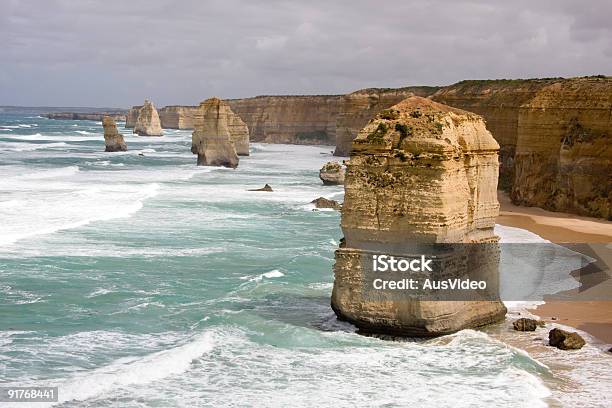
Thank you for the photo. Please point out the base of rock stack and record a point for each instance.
(461, 317)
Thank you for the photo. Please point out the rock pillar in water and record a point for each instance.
(211, 139)
(148, 123)
(112, 138)
(420, 174)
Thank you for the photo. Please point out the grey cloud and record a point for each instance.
(114, 53)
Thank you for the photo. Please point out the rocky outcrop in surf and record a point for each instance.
(565, 340)
(211, 139)
(267, 188)
(526, 324)
(148, 123)
(332, 173)
(323, 202)
(420, 173)
(112, 138)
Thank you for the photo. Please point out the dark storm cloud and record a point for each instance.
(114, 53)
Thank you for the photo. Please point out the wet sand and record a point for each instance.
(591, 307)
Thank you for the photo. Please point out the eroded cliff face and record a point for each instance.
(132, 116)
(148, 123)
(177, 117)
(211, 139)
(563, 158)
(239, 133)
(554, 136)
(113, 140)
(420, 172)
(499, 102)
(290, 119)
(361, 106)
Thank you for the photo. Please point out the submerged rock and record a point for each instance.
(420, 173)
(148, 123)
(565, 340)
(264, 188)
(323, 202)
(525, 324)
(112, 138)
(211, 140)
(332, 173)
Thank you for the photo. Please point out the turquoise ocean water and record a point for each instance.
(138, 279)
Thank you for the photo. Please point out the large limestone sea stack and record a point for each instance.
(420, 173)
(211, 139)
(112, 138)
(148, 123)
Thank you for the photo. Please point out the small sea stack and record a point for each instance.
(332, 174)
(421, 176)
(112, 138)
(211, 140)
(323, 202)
(148, 123)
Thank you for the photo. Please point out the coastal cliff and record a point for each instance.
(97, 116)
(309, 119)
(563, 158)
(499, 103)
(177, 117)
(554, 135)
(211, 140)
(132, 116)
(361, 106)
(419, 173)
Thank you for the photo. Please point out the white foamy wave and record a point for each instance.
(71, 209)
(269, 275)
(136, 371)
(28, 147)
(84, 132)
(130, 371)
(51, 173)
(418, 373)
(58, 137)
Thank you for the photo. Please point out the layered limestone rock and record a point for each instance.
(148, 123)
(211, 139)
(97, 116)
(420, 173)
(361, 106)
(239, 133)
(132, 116)
(332, 173)
(563, 158)
(177, 117)
(112, 138)
(290, 119)
(554, 135)
(499, 102)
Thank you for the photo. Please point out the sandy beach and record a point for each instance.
(591, 311)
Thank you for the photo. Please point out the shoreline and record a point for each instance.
(590, 311)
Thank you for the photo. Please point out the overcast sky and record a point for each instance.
(116, 53)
